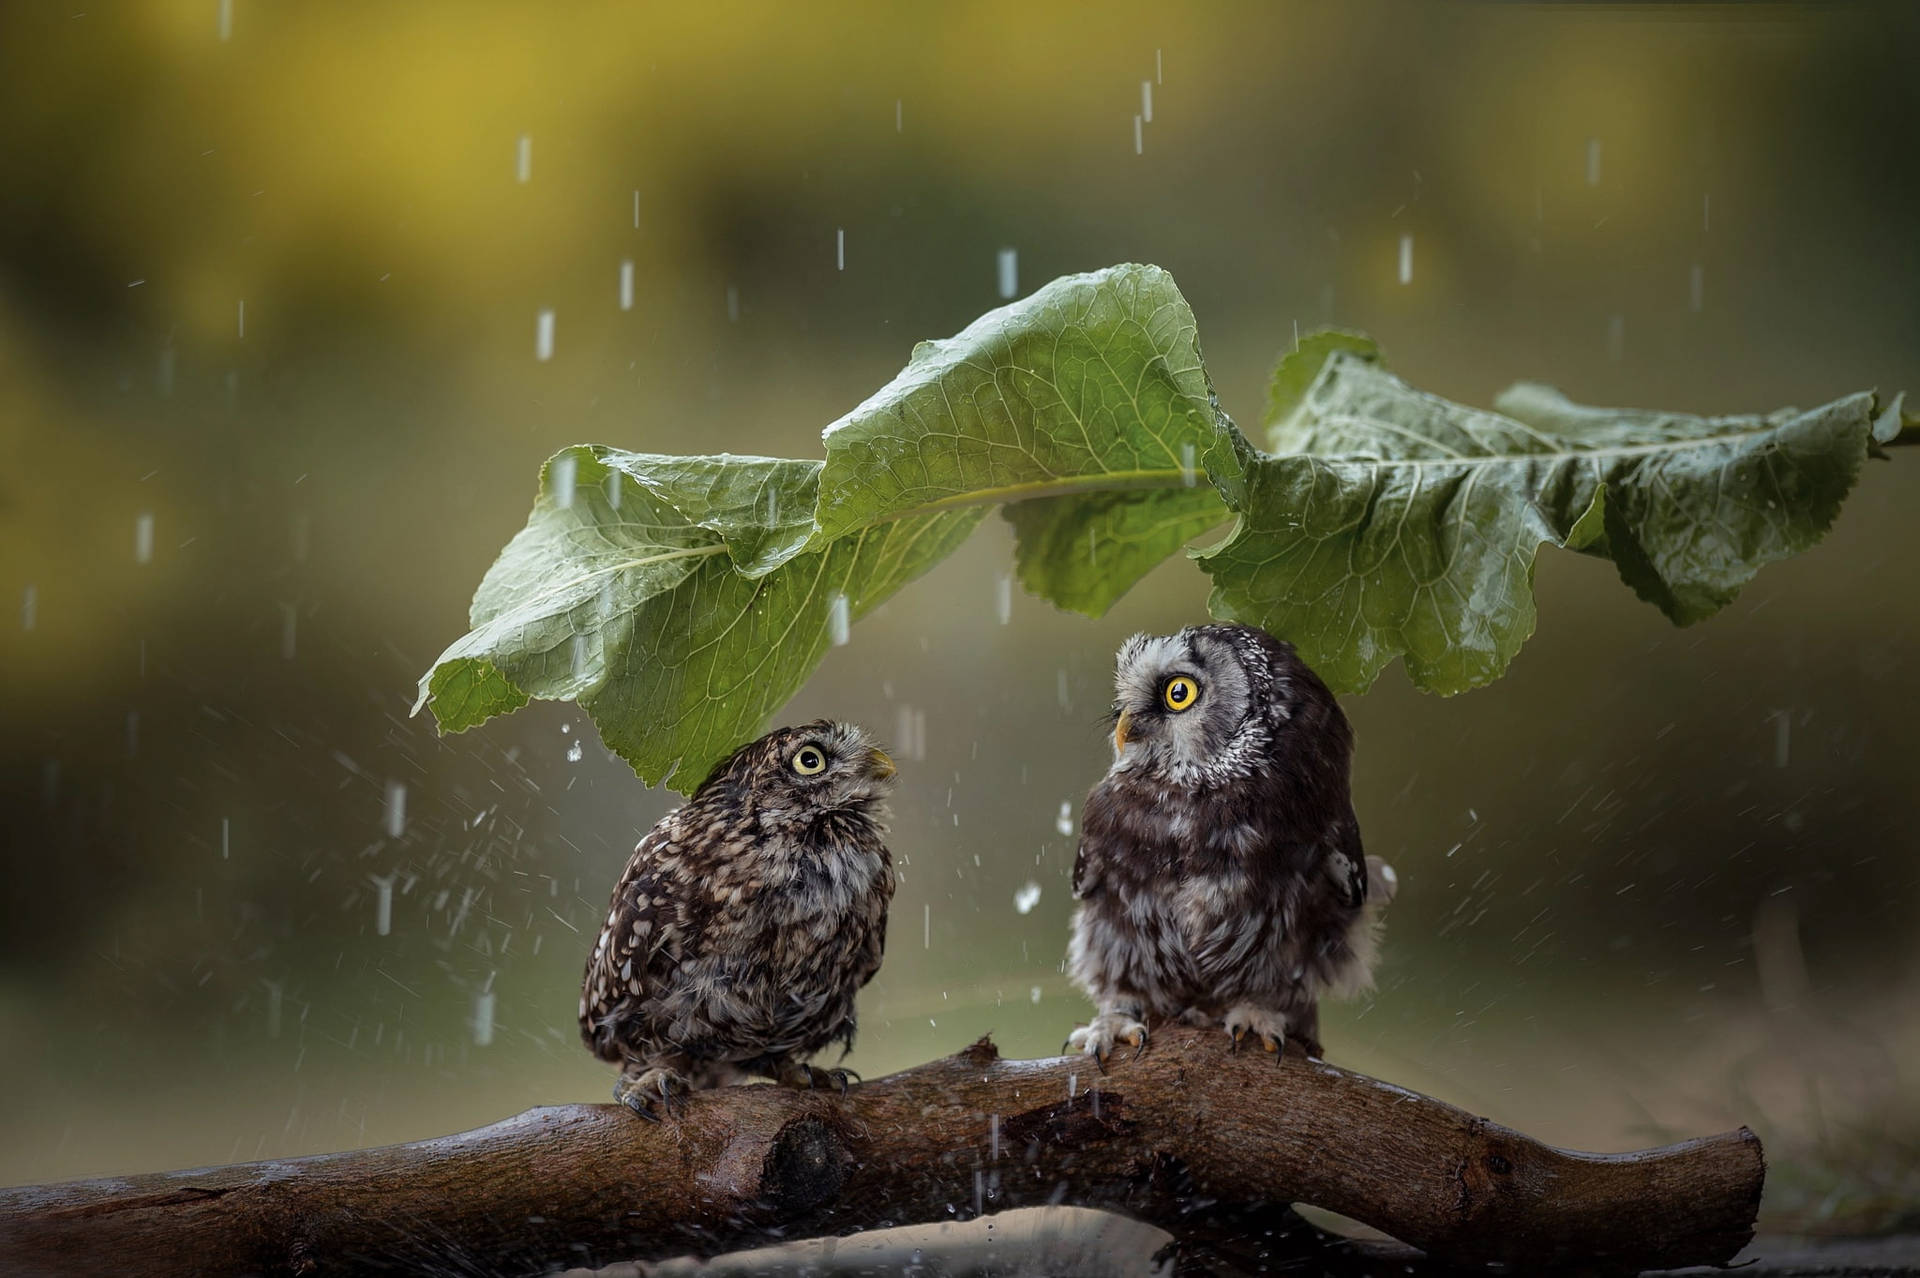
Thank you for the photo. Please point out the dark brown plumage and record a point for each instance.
(1220, 871)
(746, 921)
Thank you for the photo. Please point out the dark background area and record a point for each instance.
(276, 291)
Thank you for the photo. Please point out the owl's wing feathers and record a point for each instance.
(1086, 875)
(623, 970)
(1346, 862)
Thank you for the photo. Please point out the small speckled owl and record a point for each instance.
(1220, 875)
(746, 922)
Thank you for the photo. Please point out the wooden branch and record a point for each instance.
(1187, 1134)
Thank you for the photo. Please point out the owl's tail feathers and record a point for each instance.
(1382, 882)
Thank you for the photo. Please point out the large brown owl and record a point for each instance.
(746, 921)
(1220, 872)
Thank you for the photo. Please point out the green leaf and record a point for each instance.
(672, 599)
(1084, 552)
(681, 600)
(1389, 522)
(1094, 384)
(1297, 370)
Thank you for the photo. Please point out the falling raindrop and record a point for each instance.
(1139, 139)
(383, 906)
(926, 927)
(396, 813)
(525, 166)
(226, 20)
(1003, 597)
(574, 751)
(626, 285)
(1034, 993)
(1189, 475)
(899, 118)
(560, 479)
(483, 1017)
(143, 539)
(1064, 822)
(733, 304)
(613, 489)
(1009, 270)
(543, 336)
(243, 319)
(838, 622)
(226, 838)
(1782, 736)
(636, 210)
(1406, 259)
(1593, 162)
(1027, 897)
(839, 249)
(1696, 287)
(1156, 68)
(1146, 101)
(29, 606)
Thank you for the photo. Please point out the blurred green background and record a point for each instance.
(269, 280)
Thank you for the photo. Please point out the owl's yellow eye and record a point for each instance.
(808, 761)
(1180, 693)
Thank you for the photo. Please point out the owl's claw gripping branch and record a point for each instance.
(743, 1165)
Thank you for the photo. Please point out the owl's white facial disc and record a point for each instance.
(1213, 740)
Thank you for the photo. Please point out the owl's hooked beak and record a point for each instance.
(1122, 731)
(879, 764)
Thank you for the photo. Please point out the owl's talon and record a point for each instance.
(653, 1093)
(1098, 1038)
(1247, 1024)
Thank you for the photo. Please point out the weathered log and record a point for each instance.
(1186, 1134)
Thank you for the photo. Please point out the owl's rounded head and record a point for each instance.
(1203, 706)
(820, 766)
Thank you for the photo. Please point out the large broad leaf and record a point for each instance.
(1073, 403)
(1387, 522)
(682, 600)
(673, 599)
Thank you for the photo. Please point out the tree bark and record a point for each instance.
(1188, 1136)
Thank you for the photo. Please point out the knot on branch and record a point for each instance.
(980, 1052)
(806, 1166)
(1087, 1119)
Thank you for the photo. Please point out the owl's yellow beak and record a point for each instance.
(879, 764)
(1122, 732)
